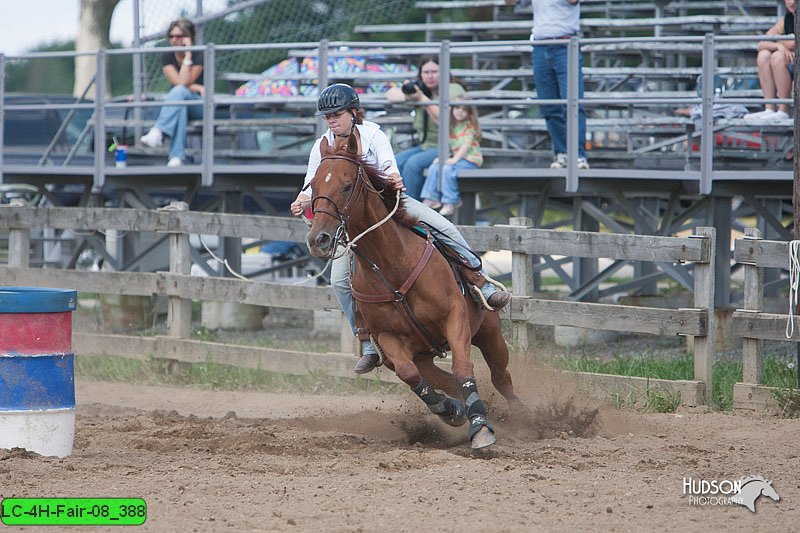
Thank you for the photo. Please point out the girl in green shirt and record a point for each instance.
(465, 136)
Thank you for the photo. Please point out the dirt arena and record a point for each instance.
(245, 461)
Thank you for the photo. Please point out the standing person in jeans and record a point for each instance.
(184, 72)
(556, 19)
(413, 162)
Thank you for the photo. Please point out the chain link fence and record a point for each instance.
(268, 21)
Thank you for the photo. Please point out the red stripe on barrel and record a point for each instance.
(35, 333)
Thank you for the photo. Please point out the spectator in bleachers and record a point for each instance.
(556, 19)
(184, 72)
(465, 136)
(413, 161)
(775, 62)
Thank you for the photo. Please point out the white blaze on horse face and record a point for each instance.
(328, 177)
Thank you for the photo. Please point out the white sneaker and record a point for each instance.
(760, 116)
(175, 162)
(447, 210)
(560, 161)
(779, 115)
(433, 204)
(154, 138)
(583, 164)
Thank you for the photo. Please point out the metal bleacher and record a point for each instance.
(653, 170)
(649, 164)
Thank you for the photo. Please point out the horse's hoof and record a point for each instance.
(459, 415)
(483, 438)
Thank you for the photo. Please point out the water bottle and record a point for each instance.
(122, 156)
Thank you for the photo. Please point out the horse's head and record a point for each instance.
(752, 487)
(349, 194)
(336, 188)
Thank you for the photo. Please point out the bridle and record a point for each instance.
(343, 214)
(396, 296)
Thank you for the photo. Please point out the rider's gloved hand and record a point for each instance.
(300, 205)
(396, 181)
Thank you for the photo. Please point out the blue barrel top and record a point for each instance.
(37, 300)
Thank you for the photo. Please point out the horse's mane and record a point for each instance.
(380, 181)
(389, 195)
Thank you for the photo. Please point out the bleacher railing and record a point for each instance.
(100, 168)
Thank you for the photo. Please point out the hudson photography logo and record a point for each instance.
(744, 491)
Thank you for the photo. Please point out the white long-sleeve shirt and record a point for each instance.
(375, 150)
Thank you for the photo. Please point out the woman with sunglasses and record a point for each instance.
(183, 70)
(340, 106)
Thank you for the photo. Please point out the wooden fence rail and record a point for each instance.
(752, 323)
(524, 241)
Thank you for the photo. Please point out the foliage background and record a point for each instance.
(271, 22)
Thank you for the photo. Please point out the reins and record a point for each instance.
(343, 214)
(378, 224)
(396, 296)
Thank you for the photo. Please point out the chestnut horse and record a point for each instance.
(395, 267)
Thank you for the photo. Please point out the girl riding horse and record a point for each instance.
(407, 293)
(340, 106)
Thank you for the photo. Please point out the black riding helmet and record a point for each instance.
(335, 98)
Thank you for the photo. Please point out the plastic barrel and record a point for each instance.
(37, 375)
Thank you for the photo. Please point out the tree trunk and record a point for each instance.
(93, 33)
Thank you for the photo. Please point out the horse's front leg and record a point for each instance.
(481, 432)
(438, 377)
(450, 410)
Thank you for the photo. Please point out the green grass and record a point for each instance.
(726, 373)
(661, 401)
(301, 343)
(788, 400)
(221, 377)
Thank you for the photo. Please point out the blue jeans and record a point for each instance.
(340, 267)
(449, 193)
(550, 76)
(173, 120)
(412, 164)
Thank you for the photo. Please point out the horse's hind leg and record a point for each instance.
(489, 339)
